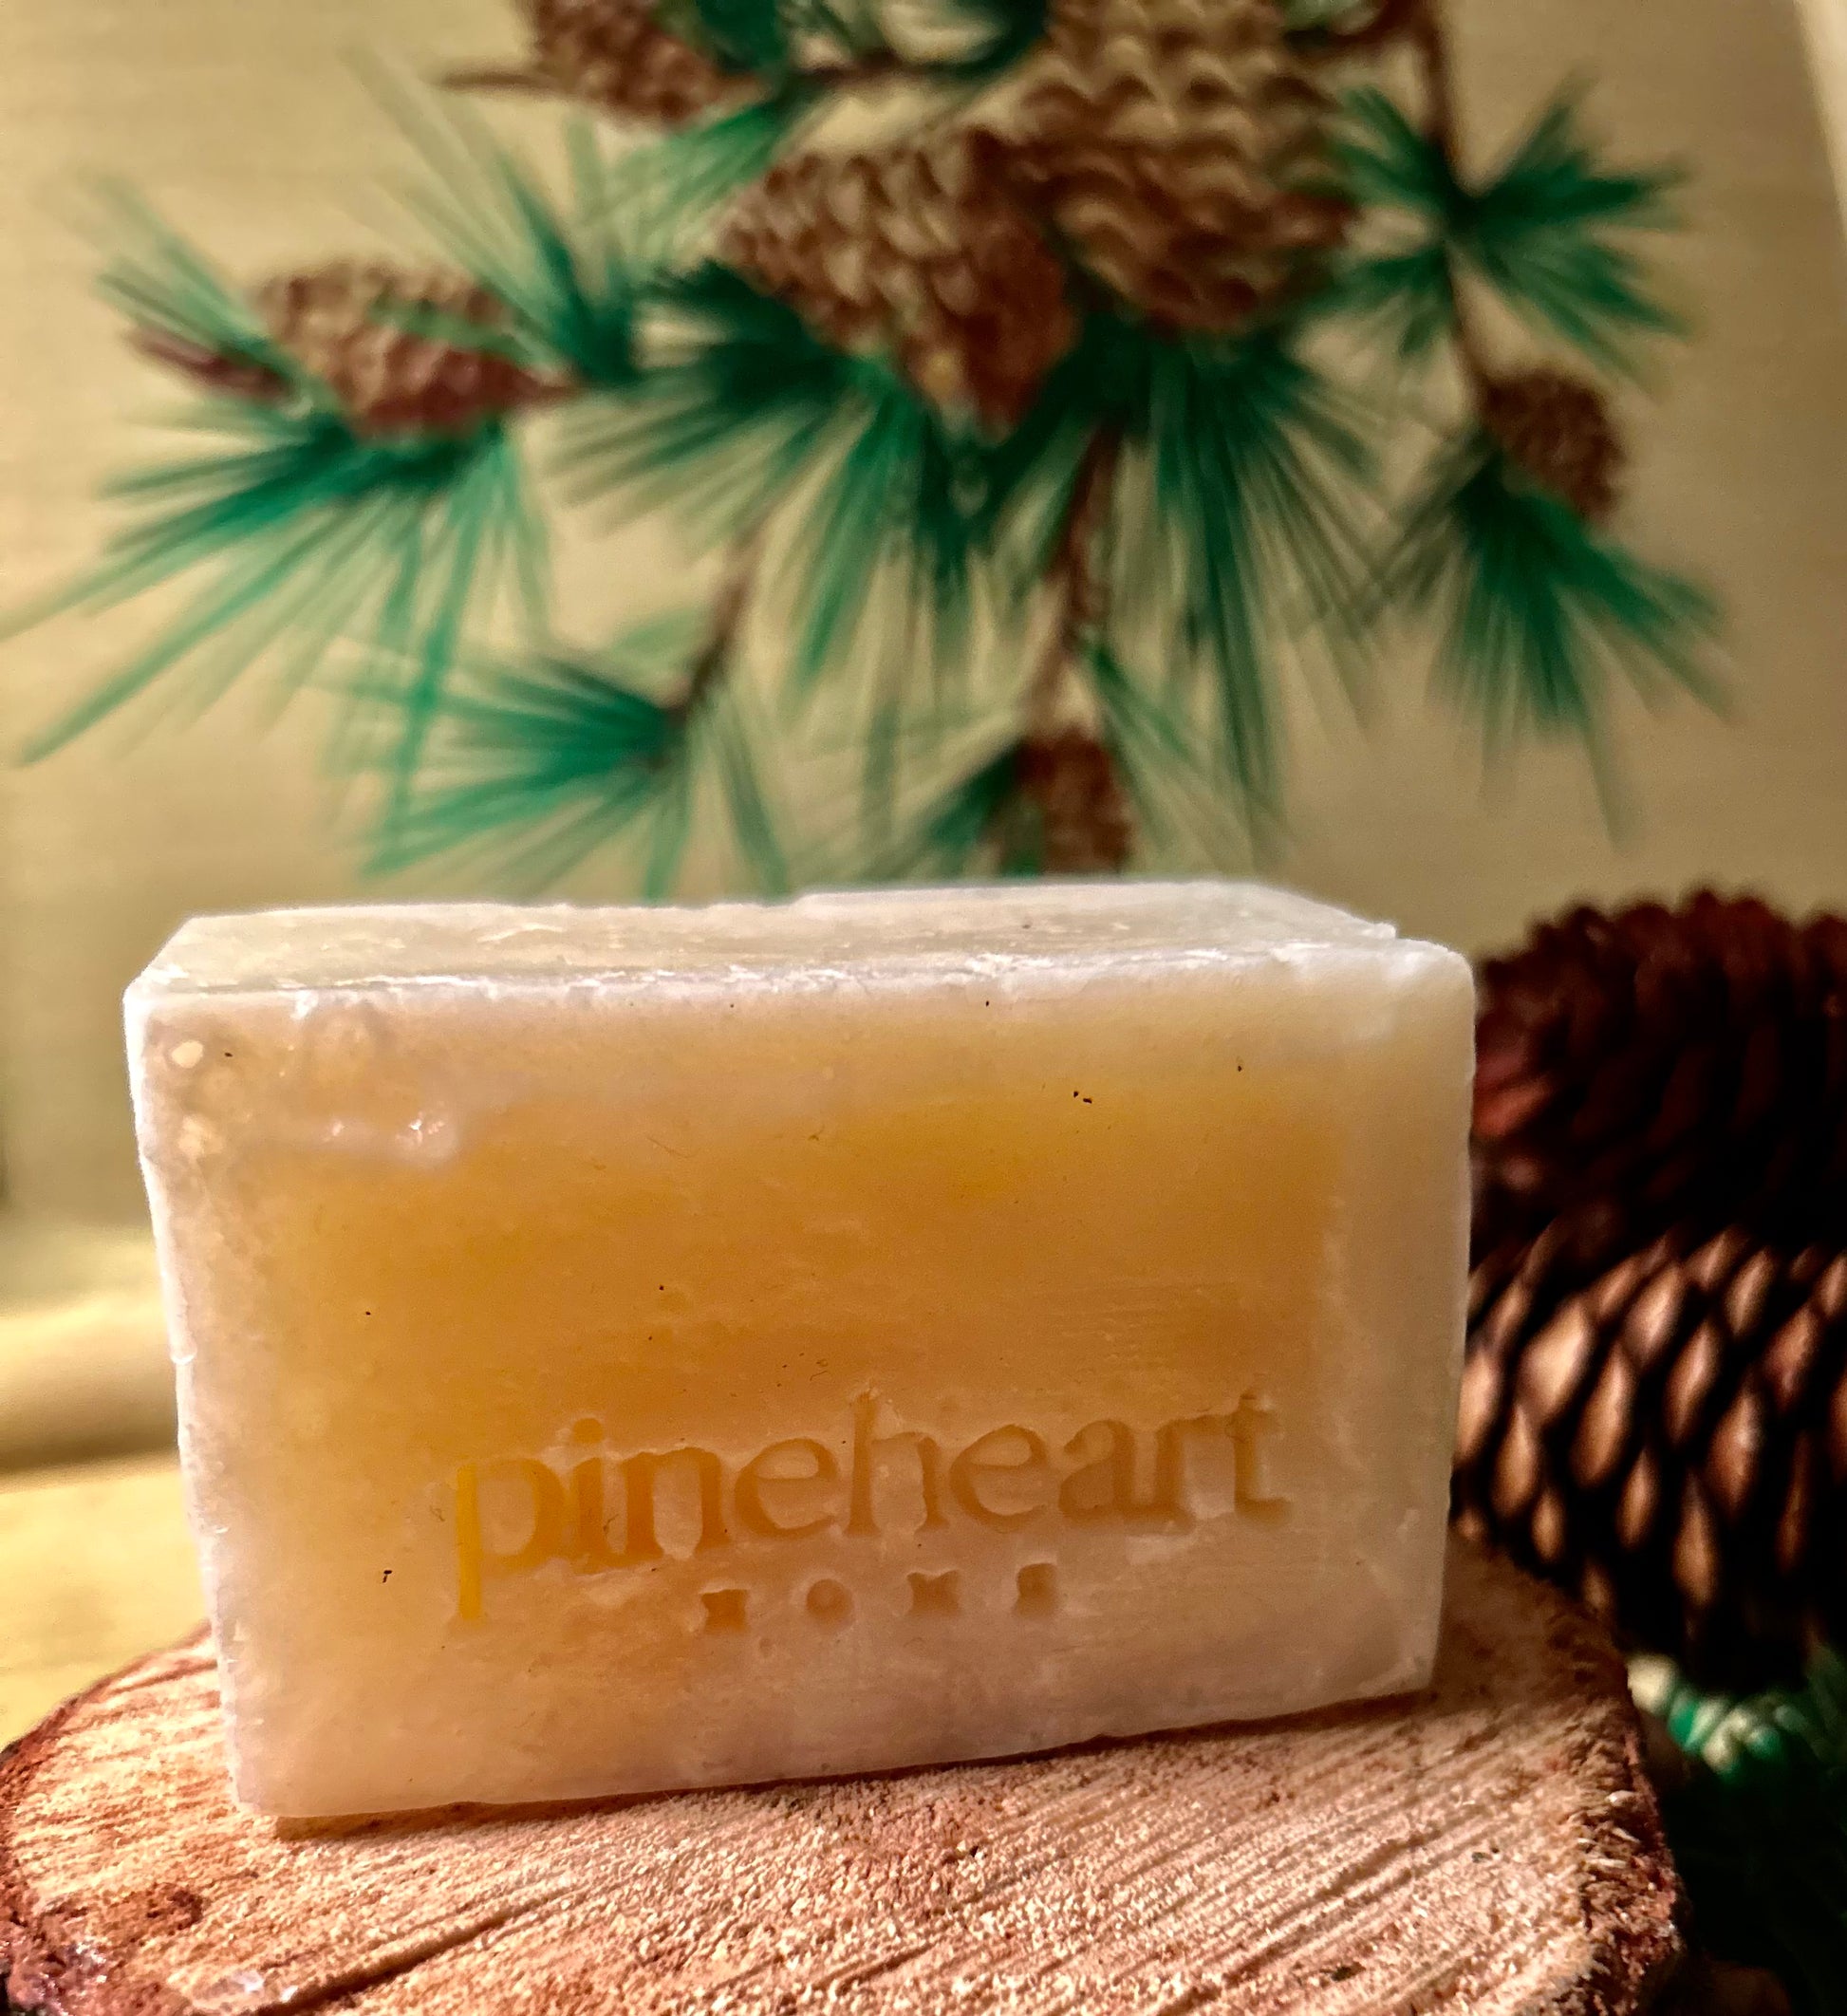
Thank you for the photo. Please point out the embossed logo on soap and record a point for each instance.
(601, 1511)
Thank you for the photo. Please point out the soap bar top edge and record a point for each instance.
(907, 935)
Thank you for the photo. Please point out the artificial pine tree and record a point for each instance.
(1002, 365)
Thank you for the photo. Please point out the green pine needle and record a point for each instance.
(535, 762)
(1239, 522)
(166, 290)
(1253, 477)
(1405, 300)
(1540, 238)
(1545, 230)
(362, 542)
(741, 34)
(572, 276)
(1388, 165)
(885, 538)
(1758, 1831)
(965, 827)
(724, 419)
(690, 171)
(1540, 610)
(1156, 749)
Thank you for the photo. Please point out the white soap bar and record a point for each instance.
(626, 1349)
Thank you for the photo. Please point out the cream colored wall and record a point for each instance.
(245, 119)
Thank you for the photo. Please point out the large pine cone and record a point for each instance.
(917, 250)
(350, 325)
(1175, 145)
(1654, 1402)
(1670, 1442)
(616, 54)
(1556, 429)
(1659, 1069)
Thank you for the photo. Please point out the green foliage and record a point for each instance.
(303, 537)
(1537, 609)
(1758, 1831)
(1238, 516)
(742, 35)
(1189, 520)
(890, 513)
(726, 418)
(1545, 230)
(576, 276)
(165, 290)
(1176, 792)
(538, 760)
(969, 826)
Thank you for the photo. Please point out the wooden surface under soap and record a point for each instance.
(1492, 1848)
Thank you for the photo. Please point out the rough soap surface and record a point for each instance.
(628, 1348)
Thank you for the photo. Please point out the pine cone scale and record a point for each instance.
(1602, 1439)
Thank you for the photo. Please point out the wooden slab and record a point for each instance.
(1491, 1848)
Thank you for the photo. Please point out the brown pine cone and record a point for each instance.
(345, 323)
(1556, 429)
(1174, 145)
(1669, 1440)
(1660, 1070)
(1085, 824)
(917, 250)
(616, 54)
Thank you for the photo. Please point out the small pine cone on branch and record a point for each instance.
(352, 325)
(1179, 149)
(1557, 430)
(917, 250)
(1654, 1400)
(617, 54)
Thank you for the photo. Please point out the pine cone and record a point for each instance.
(1174, 145)
(917, 250)
(1670, 1440)
(339, 322)
(1654, 1402)
(1663, 1070)
(1085, 824)
(616, 54)
(1558, 430)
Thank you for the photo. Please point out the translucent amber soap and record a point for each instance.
(624, 1349)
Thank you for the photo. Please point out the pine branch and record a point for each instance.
(1080, 591)
(718, 650)
(1430, 44)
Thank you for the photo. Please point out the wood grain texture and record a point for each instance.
(1492, 1848)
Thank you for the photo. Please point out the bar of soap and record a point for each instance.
(624, 1348)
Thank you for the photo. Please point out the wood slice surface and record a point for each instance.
(1491, 1847)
